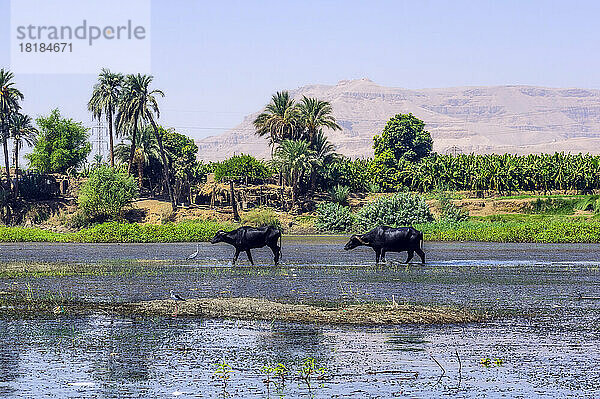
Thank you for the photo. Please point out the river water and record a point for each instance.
(544, 339)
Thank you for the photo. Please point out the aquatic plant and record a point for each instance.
(223, 375)
(489, 362)
(309, 370)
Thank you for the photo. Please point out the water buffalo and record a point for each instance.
(245, 238)
(388, 239)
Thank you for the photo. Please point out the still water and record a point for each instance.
(544, 341)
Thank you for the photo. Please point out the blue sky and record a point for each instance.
(218, 61)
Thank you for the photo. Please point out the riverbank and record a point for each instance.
(528, 228)
(251, 309)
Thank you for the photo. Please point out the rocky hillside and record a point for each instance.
(500, 119)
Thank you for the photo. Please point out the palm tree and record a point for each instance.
(138, 104)
(105, 99)
(21, 130)
(279, 120)
(294, 158)
(146, 150)
(324, 154)
(315, 115)
(9, 104)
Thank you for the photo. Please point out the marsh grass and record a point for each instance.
(516, 228)
(119, 232)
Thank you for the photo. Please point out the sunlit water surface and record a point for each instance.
(546, 339)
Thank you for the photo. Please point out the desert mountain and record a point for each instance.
(499, 119)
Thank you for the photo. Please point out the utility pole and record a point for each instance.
(99, 143)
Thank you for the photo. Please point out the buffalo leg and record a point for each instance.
(249, 257)
(276, 253)
(382, 256)
(411, 253)
(235, 257)
(421, 254)
(377, 255)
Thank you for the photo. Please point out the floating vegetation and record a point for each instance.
(489, 362)
(253, 309)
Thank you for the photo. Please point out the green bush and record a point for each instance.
(450, 212)
(186, 231)
(347, 172)
(106, 193)
(401, 209)
(339, 194)
(242, 167)
(553, 206)
(334, 218)
(589, 203)
(261, 217)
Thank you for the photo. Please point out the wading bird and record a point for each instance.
(193, 256)
(177, 298)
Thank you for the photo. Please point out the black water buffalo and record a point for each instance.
(388, 239)
(245, 238)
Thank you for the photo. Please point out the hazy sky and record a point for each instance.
(218, 61)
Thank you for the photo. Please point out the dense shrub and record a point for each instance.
(346, 172)
(62, 144)
(106, 193)
(554, 206)
(242, 167)
(334, 218)
(401, 209)
(450, 212)
(339, 194)
(261, 217)
(589, 203)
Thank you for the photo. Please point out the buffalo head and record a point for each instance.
(355, 241)
(219, 237)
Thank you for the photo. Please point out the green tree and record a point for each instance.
(279, 120)
(294, 158)
(138, 104)
(21, 130)
(106, 193)
(405, 136)
(61, 144)
(104, 101)
(315, 115)
(242, 167)
(9, 104)
(324, 154)
(181, 154)
(146, 150)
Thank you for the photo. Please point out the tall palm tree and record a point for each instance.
(146, 150)
(104, 101)
(324, 154)
(138, 104)
(9, 104)
(21, 130)
(279, 120)
(315, 115)
(294, 158)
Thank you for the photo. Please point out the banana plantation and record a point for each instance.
(502, 174)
